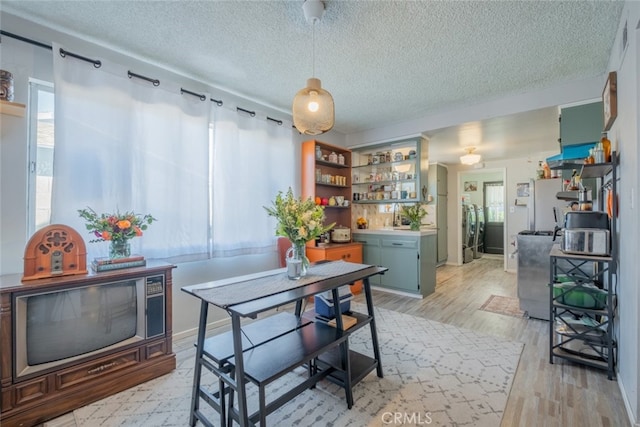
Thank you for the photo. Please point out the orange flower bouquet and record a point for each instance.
(116, 228)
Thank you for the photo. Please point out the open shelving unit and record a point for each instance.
(583, 311)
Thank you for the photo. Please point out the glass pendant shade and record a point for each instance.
(470, 158)
(313, 109)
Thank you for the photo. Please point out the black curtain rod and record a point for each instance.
(249, 112)
(155, 82)
(97, 64)
(26, 40)
(197, 95)
(279, 122)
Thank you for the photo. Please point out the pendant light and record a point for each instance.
(313, 110)
(470, 158)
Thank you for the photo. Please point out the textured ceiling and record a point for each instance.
(383, 61)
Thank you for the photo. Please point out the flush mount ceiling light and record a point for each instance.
(470, 158)
(313, 109)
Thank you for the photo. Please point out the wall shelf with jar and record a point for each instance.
(390, 172)
(326, 178)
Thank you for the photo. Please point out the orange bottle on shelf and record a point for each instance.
(606, 147)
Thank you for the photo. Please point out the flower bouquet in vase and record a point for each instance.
(117, 229)
(300, 221)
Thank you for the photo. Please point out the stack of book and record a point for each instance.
(347, 321)
(108, 264)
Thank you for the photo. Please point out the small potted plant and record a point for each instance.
(414, 214)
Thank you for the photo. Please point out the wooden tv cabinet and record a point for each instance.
(39, 397)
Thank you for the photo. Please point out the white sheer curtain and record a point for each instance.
(253, 159)
(494, 202)
(124, 144)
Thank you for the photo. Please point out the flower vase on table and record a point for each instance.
(116, 228)
(301, 221)
(119, 249)
(297, 261)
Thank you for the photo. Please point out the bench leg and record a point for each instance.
(197, 371)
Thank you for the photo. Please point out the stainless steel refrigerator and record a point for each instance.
(542, 202)
(535, 244)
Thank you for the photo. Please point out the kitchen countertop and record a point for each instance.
(424, 231)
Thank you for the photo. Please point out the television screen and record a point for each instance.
(77, 321)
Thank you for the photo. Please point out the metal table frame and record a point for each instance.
(256, 302)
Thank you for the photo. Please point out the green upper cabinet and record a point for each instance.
(391, 172)
(581, 124)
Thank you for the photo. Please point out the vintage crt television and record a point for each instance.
(58, 326)
(68, 341)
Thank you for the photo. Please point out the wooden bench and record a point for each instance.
(267, 362)
(273, 347)
(218, 350)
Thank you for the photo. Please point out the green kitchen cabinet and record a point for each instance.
(581, 124)
(402, 255)
(371, 253)
(410, 257)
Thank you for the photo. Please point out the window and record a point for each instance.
(164, 165)
(41, 145)
(494, 201)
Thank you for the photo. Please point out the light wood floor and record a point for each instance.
(562, 394)
(542, 395)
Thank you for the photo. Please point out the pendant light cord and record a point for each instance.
(313, 48)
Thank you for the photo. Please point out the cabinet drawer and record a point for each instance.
(104, 366)
(347, 254)
(368, 241)
(400, 243)
(32, 390)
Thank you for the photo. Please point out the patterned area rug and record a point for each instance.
(434, 374)
(503, 305)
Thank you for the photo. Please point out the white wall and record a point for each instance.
(625, 137)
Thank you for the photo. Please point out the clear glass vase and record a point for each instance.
(297, 261)
(119, 249)
(414, 226)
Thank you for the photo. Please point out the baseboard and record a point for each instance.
(194, 331)
(393, 291)
(627, 405)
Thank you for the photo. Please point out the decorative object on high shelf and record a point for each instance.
(53, 251)
(414, 214)
(117, 228)
(6, 86)
(470, 158)
(313, 109)
(610, 100)
(300, 221)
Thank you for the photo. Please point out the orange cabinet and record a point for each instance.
(350, 252)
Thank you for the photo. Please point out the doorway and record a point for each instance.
(494, 217)
(470, 190)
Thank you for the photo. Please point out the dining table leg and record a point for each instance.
(372, 325)
(239, 363)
